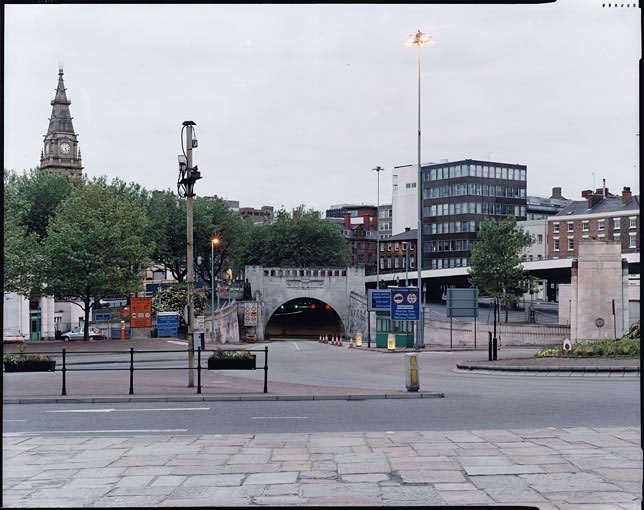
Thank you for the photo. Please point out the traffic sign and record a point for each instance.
(103, 316)
(140, 307)
(462, 302)
(167, 323)
(405, 304)
(379, 300)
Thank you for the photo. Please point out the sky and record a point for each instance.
(296, 104)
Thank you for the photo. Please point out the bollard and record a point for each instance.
(411, 372)
(494, 348)
(265, 369)
(391, 342)
(489, 346)
(64, 392)
(359, 340)
(131, 370)
(199, 369)
(122, 330)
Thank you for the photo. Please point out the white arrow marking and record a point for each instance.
(176, 342)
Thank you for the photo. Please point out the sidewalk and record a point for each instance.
(550, 468)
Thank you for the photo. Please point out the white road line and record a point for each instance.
(295, 344)
(45, 432)
(7, 421)
(129, 410)
(279, 417)
(176, 342)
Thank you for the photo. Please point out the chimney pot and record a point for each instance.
(626, 195)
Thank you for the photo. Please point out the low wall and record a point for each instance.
(357, 315)
(437, 332)
(226, 326)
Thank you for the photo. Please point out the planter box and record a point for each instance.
(232, 364)
(30, 366)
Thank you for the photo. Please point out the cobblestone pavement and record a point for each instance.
(552, 468)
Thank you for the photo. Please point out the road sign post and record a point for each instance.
(405, 304)
(462, 303)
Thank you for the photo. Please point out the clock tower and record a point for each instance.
(61, 153)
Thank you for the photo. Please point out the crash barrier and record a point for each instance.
(64, 368)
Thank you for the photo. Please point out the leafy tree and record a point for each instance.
(167, 229)
(96, 246)
(300, 239)
(175, 299)
(496, 260)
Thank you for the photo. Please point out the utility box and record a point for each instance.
(412, 372)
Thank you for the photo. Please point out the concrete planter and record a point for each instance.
(30, 366)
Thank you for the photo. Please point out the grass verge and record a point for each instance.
(621, 348)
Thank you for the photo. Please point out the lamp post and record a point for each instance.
(419, 39)
(406, 248)
(213, 242)
(378, 169)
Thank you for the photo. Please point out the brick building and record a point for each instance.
(360, 228)
(600, 216)
(396, 250)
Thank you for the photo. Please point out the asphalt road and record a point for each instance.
(472, 400)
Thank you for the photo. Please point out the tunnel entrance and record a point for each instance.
(304, 318)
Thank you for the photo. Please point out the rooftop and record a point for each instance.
(605, 205)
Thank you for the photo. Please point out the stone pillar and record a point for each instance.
(573, 300)
(47, 330)
(626, 319)
(565, 303)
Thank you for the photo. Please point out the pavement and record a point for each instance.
(549, 468)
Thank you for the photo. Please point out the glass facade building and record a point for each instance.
(457, 197)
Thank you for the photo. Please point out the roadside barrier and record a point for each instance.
(64, 369)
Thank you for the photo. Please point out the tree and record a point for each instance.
(96, 246)
(167, 229)
(496, 260)
(300, 239)
(175, 299)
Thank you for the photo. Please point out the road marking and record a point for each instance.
(129, 410)
(7, 421)
(295, 344)
(45, 432)
(176, 342)
(279, 417)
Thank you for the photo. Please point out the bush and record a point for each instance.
(624, 347)
(21, 358)
(222, 354)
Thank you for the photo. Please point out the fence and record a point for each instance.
(132, 368)
(462, 333)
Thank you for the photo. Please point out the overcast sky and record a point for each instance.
(297, 103)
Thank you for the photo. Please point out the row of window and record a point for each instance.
(485, 190)
(398, 262)
(445, 263)
(451, 245)
(487, 171)
(396, 246)
(601, 224)
(632, 241)
(473, 208)
(410, 185)
(449, 227)
(304, 272)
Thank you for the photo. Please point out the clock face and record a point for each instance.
(65, 148)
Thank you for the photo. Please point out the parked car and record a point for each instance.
(79, 334)
(12, 336)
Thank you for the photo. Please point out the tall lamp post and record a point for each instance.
(213, 242)
(419, 39)
(188, 175)
(378, 169)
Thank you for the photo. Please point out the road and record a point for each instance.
(472, 401)
(545, 313)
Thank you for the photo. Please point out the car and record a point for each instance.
(79, 334)
(12, 336)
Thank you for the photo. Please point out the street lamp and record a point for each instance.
(213, 242)
(419, 39)
(378, 169)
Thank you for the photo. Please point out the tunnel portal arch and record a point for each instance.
(304, 317)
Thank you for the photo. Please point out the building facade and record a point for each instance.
(600, 216)
(61, 153)
(404, 198)
(398, 253)
(457, 197)
(538, 208)
(385, 219)
(263, 215)
(360, 228)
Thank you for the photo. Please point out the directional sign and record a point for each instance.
(103, 316)
(140, 307)
(405, 304)
(379, 300)
(167, 324)
(462, 302)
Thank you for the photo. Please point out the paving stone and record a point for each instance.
(222, 493)
(99, 472)
(73, 493)
(496, 436)
(632, 487)
(513, 495)
(360, 457)
(289, 456)
(557, 482)
(364, 467)
(486, 461)
(477, 452)
(412, 465)
(454, 487)
(334, 490)
(250, 468)
(321, 456)
(206, 502)
(346, 501)
(620, 474)
(271, 478)
(62, 474)
(47, 503)
(466, 497)
(249, 459)
(633, 505)
(37, 484)
(591, 496)
(93, 482)
(587, 506)
(407, 493)
(431, 476)
(318, 474)
(463, 437)
(147, 470)
(168, 481)
(213, 480)
(534, 450)
(502, 470)
(128, 501)
(296, 466)
(324, 465)
(601, 461)
(148, 460)
(279, 500)
(533, 460)
(562, 467)
(371, 477)
(282, 489)
(135, 481)
(141, 491)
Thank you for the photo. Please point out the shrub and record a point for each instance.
(222, 354)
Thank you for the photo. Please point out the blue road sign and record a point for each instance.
(379, 300)
(103, 316)
(405, 304)
(167, 325)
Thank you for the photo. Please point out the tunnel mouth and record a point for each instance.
(303, 318)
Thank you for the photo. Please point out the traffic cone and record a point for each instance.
(326, 339)
(350, 342)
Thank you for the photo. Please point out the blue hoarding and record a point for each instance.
(405, 304)
(379, 300)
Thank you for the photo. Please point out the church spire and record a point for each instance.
(61, 119)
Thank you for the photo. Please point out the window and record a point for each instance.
(388, 262)
(504, 173)
(601, 224)
(617, 237)
(539, 257)
(585, 226)
(617, 223)
(556, 244)
(486, 171)
(555, 227)
(411, 261)
(632, 222)
(632, 241)
(571, 243)
(404, 246)
(382, 263)
(571, 226)
(382, 247)
(584, 237)
(511, 173)
(539, 238)
(498, 172)
(601, 237)
(396, 262)
(389, 248)
(396, 246)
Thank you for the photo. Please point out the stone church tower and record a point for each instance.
(61, 153)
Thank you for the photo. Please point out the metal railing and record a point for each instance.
(64, 369)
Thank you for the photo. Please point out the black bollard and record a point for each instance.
(494, 348)
(489, 346)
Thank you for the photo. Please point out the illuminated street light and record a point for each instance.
(213, 242)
